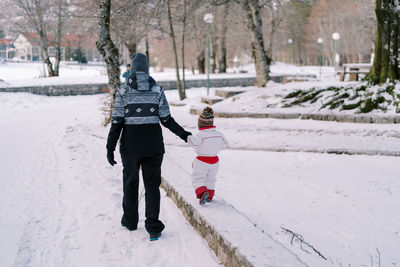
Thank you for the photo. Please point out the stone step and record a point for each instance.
(211, 99)
(228, 93)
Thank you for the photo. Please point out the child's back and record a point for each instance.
(207, 144)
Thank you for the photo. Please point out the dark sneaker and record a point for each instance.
(154, 236)
(128, 227)
(203, 198)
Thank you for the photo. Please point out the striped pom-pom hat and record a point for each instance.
(206, 118)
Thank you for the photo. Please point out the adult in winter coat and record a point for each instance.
(140, 106)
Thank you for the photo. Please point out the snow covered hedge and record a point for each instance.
(361, 98)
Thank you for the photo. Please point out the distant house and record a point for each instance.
(27, 46)
(7, 50)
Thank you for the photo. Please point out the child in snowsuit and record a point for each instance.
(207, 143)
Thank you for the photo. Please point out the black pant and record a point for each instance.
(151, 171)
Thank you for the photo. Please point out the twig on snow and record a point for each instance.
(298, 237)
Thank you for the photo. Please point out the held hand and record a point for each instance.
(110, 157)
(185, 136)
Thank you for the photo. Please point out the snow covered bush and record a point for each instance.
(360, 98)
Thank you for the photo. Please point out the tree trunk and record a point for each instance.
(109, 52)
(254, 24)
(147, 51)
(386, 64)
(214, 54)
(300, 54)
(201, 61)
(183, 48)
(132, 48)
(172, 34)
(43, 38)
(58, 38)
(222, 52)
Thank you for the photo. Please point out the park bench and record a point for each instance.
(354, 70)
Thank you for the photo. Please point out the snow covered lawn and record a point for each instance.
(60, 201)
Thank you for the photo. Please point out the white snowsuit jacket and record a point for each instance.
(207, 144)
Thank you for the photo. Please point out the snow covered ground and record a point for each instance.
(341, 205)
(60, 200)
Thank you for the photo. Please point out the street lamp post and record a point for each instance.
(290, 42)
(208, 18)
(320, 42)
(336, 37)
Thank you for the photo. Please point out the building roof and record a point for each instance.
(5, 42)
(72, 40)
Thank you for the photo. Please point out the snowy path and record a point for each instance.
(60, 202)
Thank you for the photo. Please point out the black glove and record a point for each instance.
(185, 135)
(110, 157)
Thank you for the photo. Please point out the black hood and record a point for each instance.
(139, 63)
(140, 81)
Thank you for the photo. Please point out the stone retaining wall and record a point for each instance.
(57, 90)
(224, 251)
(89, 89)
(356, 118)
(228, 82)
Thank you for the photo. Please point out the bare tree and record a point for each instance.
(62, 15)
(172, 36)
(214, 42)
(252, 9)
(222, 64)
(184, 21)
(47, 18)
(199, 36)
(109, 52)
(132, 20)
(274, 14)
(35, 13)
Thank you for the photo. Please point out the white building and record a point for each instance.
(27, 46)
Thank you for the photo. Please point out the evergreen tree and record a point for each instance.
(2, 34)
(79, 55)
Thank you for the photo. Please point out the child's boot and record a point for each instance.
(210, 194)
(203, 198)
